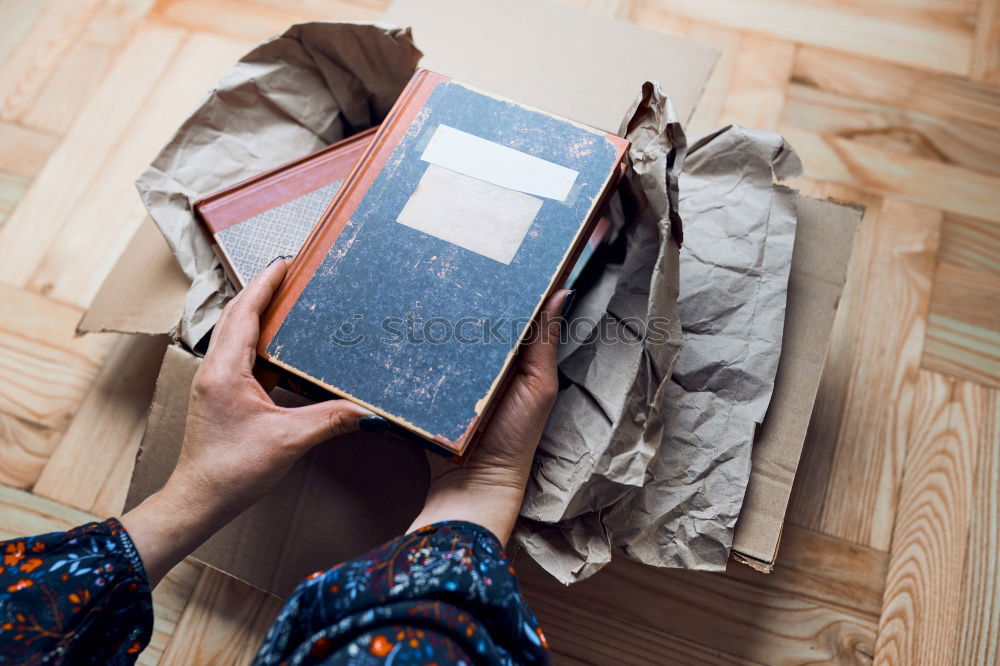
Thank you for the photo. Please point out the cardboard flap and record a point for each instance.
(581, 66)
(145, 291)
(342, 498)
(824, 241)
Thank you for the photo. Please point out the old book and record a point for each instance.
(590, 254)
(414, 291)
(272, 213)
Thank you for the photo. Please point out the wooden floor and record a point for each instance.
(892, 547)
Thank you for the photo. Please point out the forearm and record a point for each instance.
(169, 525)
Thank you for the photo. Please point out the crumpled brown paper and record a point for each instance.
(739, 232)
(639, 454)
(290, 95)
(606, 427)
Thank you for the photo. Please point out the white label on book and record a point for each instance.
(474, 214)
(490, 162)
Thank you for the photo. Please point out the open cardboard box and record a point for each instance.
(345, 497)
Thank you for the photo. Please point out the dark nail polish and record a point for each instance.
(373, 423)
(278, 258)
(567, 304)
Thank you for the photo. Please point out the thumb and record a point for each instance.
(539, 356)
(312, 424)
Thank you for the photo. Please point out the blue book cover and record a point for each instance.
(414, 291)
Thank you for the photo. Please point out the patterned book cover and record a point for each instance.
(272, 214)
(414, 291)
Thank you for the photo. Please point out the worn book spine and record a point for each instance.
(360, 178)
(272, 213)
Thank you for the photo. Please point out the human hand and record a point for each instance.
(237, 443)
(488, 490)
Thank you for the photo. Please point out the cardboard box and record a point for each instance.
(346, 497)
(824, 240)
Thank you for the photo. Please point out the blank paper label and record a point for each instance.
(490, 162)
(480, 216)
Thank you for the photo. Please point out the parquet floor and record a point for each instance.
(892, 546)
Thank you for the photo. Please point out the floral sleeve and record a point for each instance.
(444, 594)
(77, 597)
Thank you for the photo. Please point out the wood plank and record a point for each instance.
(756, 94)
(109, 211)
(24, 514)
(224, 623)
(979, 630)
(23, 150)
(16, 17)
(960, 293)
(29, 65)
(727, 616)
(970, 243)
(324, 9)
(52, 198)
(875, 31)
(959, 349)
(254, 23)
(852, 461)
(46, 369)
(170, 598)
(963, 336)
(831, 571)
(955, 14)
(92, 466)
(917, 180)
(942, 96)
(964, 144)
(986, 46)
(12, 188)
(81, 69)
(583, 635)
(860, 501)
(24, 449)
(921, 611)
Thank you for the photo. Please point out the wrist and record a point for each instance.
(488, 500)
(193, 504)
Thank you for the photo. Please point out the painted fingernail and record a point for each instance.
(567, 303)
(278, 258)
(372, 423)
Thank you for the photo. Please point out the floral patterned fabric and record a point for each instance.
(77, 597)
(445, 594)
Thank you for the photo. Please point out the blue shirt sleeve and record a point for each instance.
(77, 597)
(444, 594)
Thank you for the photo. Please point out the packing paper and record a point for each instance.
(289, 96)
(681, 509)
